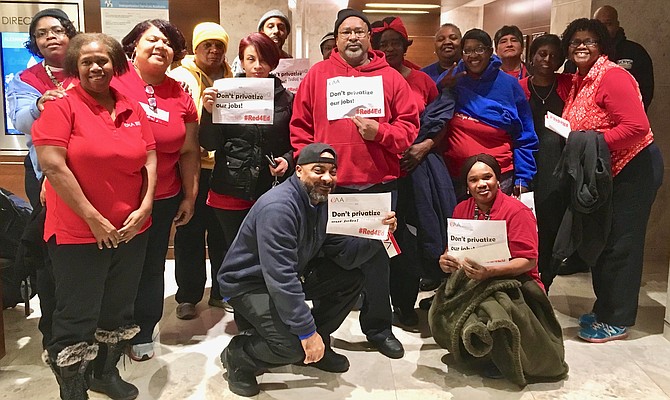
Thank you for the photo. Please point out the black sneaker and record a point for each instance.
(331, 362)
(241, 382)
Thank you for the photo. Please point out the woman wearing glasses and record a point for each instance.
(606, 98)
(27, 93)
(97, 152)
(152, 46)
(491, 116)
(243, 168)
(50, 33)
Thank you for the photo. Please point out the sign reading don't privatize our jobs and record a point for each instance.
(291, 72)
(359, 214)
(244, 101)
(350, 96)
(484, 242)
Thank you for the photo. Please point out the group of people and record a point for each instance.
(123, 146)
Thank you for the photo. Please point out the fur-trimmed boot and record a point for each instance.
(70, 368)
(105, 376)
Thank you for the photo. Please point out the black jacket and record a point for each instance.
(584, 171)
(635, 59)
(241, 169)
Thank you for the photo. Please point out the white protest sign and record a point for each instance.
(528, 200)
(484, 242)
(359, 214)
(557, 124)
(244, 101)
(350, 96)
(291, 71)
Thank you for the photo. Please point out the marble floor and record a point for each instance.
(186, 365)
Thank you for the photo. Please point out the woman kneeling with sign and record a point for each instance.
(497, 315)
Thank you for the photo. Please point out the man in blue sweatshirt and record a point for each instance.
(282, 257)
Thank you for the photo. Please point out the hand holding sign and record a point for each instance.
(474, 270)
(368, 128)
(449, 263)
(208, 97)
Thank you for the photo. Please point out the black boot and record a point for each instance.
(241, 381)
(70, 367)
(105, 376)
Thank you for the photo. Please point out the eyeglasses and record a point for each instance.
(56, 31)
(477, 50)
(151, 99)
(587, 43)
(360, 33)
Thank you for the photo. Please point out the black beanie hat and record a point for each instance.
(349, 12)
(49, 12)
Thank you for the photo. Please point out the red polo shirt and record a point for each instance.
(106, 157)
(521, 226)
(169, 135)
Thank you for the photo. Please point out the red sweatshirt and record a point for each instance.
(360, 162)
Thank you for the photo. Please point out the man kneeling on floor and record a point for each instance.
(282, 257)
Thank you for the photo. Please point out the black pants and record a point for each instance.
(230, 222)
(265, 340)
(618, 273)
(46, 290)
(376, 315)
(550, 211)
(94, 289)
(189, 249)
(151, 292)
(405, 268)
(31, 184)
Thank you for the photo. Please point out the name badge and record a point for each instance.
(160, 116)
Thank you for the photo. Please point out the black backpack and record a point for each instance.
(17, 282)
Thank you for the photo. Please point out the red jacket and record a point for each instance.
(360, 162)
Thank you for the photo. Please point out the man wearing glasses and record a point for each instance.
(369, 149)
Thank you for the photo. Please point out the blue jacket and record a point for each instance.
(495, 99)
(281, 234)
(22, 99)
(433, 70)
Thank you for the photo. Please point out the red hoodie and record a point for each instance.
(360, 162)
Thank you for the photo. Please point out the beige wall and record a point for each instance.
(565, 11)
(464, 17)
(649, 26)
(240, 18)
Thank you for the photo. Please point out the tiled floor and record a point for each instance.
(186, 365)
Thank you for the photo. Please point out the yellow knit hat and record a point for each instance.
(209, 31)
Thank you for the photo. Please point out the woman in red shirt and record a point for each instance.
(605, 98)
(487, 202)
(152, 46)
(97, 152)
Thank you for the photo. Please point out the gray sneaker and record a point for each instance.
(220, 303)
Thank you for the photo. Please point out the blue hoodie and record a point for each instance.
(281, 234)
(495, 99)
